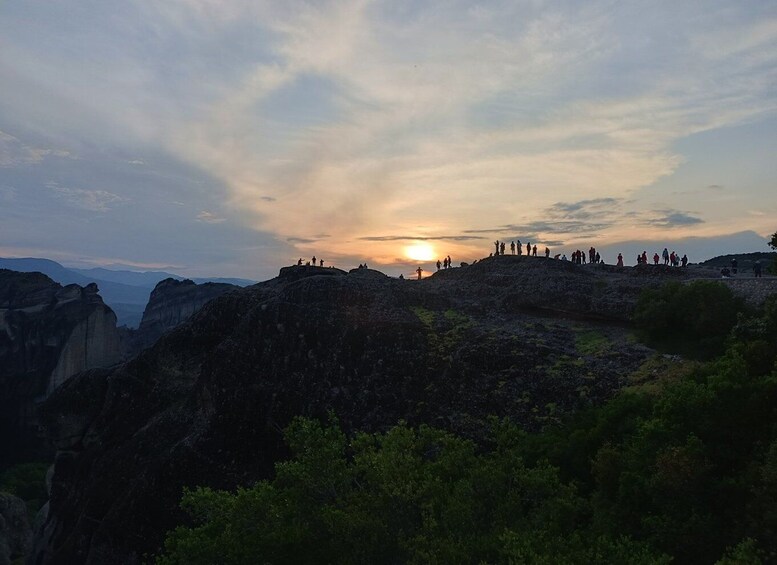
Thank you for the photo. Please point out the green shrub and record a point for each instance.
(692, 319)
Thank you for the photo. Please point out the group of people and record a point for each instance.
(671, 259)
(592, 257)
(446, 263)
(516, 247)
(725, 272)
(312, 262)
(579, 257)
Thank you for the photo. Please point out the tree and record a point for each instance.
(773, 242)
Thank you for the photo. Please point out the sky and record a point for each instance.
(232, 137)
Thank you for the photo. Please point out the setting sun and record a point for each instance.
(420, 252)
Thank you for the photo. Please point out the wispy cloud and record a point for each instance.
(210, 217)
(13, 152)
(672, 219)
(93, 200)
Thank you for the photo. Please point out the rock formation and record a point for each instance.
(527, 338)
(47, 334)
(15, 531)
(171, 303)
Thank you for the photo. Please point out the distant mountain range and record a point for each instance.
(126, 292)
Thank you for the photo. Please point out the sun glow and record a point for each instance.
(420, 252)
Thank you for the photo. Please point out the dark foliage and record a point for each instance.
(693, 319)
(685, 471)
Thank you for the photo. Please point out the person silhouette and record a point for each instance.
(314, 260)
(512, 248)
(496, 245)
(534, 251)
(419, 270)
(300, 261)
(438, 264)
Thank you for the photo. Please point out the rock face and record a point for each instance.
(15, 531)
(527, 338)
(47, 334)
(171, 303)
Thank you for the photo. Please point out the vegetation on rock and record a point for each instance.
(682, 469)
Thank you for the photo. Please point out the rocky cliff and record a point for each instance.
(47, 334)
(527, 338)
(15, 531)
(171, 303)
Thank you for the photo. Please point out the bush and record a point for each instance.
(692, 319)
(28, 482)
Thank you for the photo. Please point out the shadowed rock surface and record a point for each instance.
(15, 531)
(47, 334)
(171, 303)
(528, 338)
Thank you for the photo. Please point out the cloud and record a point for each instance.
(137, 162)
(582, 218)
(584, 209)
(420, 238)
(93, 200)
(314, 239)
(13, 152)
(209, 218)
(672, 219)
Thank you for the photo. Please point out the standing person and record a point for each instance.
(518, 246)
(598, 258)
(757, 269)
(502, 248)
(496, 244)
(450, 264)
(547, 252)
(644, 257)
(620, 260)
(314, 260)
(665, 255)
(734, 266)
(528, 249)
(512, 248)
(320, 262)
(438, 264)
(655, 258)
(534, 251)
(419, 270)
(684, 260)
